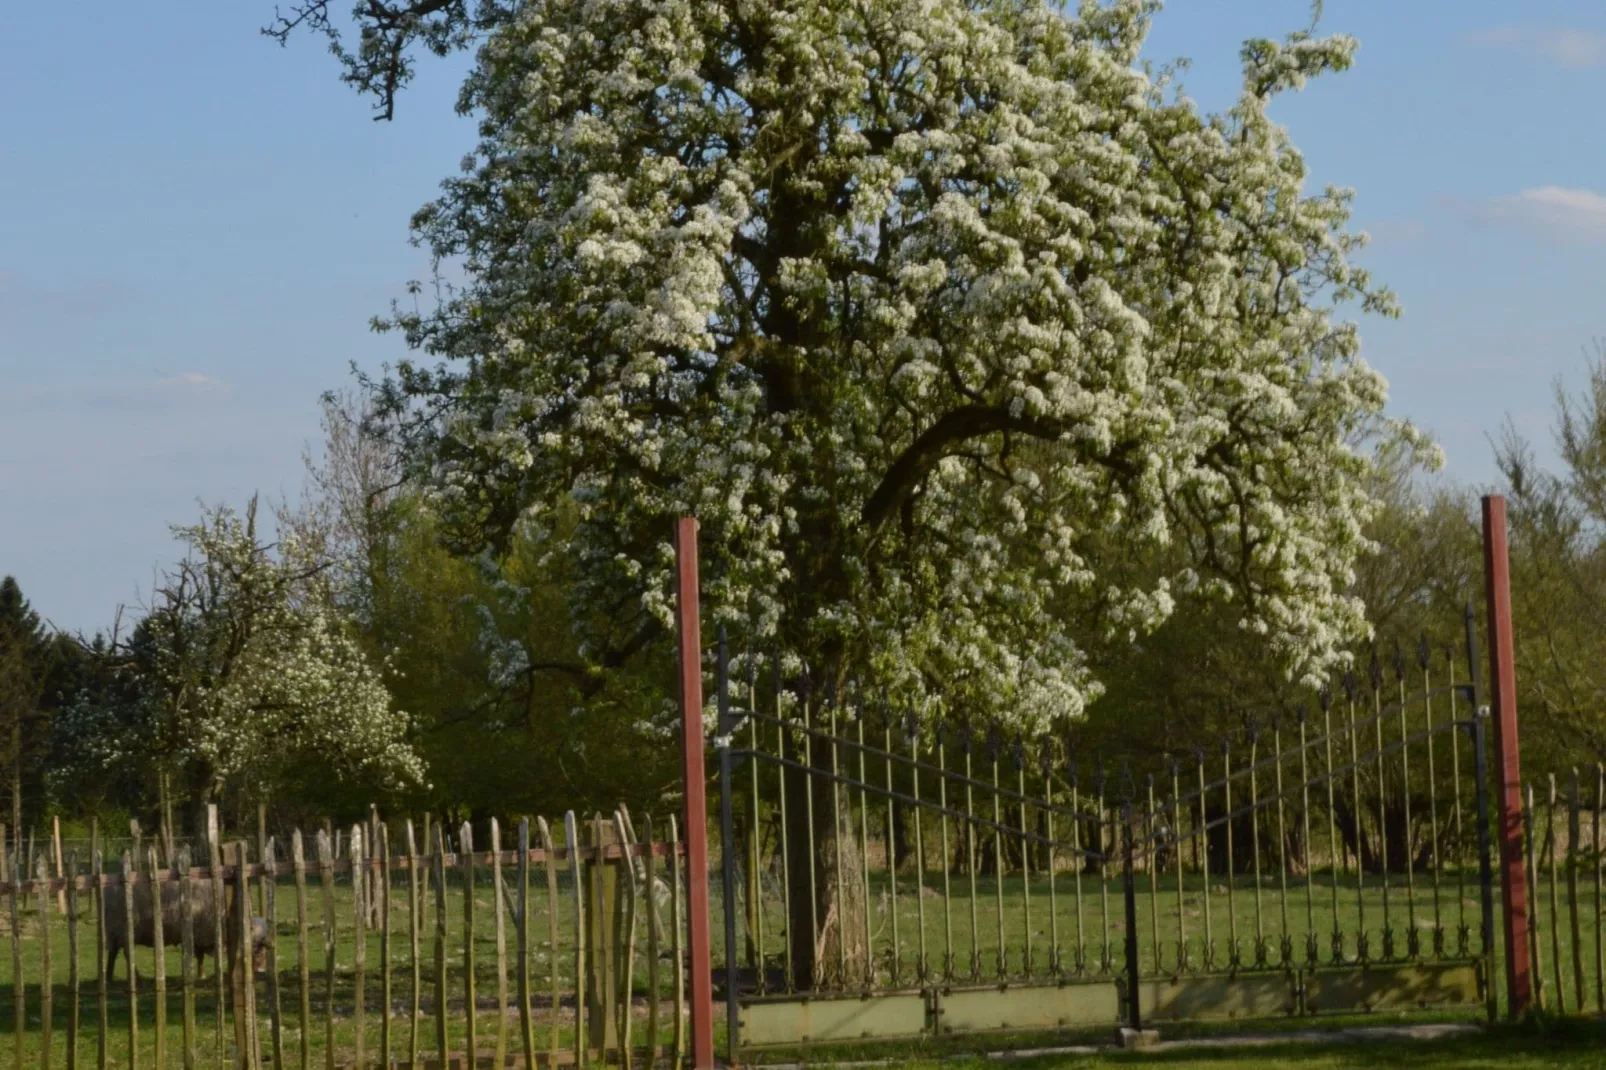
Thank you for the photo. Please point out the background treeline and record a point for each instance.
(335, 654)
(1200, 678)
(354, 655)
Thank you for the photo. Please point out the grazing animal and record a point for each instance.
(203, 917)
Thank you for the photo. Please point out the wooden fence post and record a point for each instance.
(1508, 774)
(698, 922)
(55, 836)
(602, 908)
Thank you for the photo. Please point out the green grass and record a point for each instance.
(930, 912)
(956, 925)
(331, 1003)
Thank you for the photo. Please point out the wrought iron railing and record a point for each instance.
(919, 856)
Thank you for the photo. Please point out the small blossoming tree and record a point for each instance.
(242, 670)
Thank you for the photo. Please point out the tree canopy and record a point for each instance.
(932, 312)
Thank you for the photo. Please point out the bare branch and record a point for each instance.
(387, 31)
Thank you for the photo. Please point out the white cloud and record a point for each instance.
(194, 381)
(86, 296)
(1568, 46)
(1574, 213)
(187, 389)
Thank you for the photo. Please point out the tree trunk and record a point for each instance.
(825, 878)
(16, 781)
(202, 791)
(902, 845)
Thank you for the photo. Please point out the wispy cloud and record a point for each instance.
(195, 382)
(1573, 213)
(1567, 46)
(86, 296)
(184, 389)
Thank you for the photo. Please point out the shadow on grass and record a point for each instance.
(1569, 1043)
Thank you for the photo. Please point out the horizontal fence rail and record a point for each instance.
(567, 948)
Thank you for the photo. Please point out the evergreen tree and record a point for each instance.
(39, 670)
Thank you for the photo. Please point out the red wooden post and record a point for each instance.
(687, 608)
(1508, 775)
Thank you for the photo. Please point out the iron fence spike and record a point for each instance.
(1424, 652)
(1374, 669)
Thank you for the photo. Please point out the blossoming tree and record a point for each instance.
(930, 310)
(242, 668)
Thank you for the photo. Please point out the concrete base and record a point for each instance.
(1136, 1039)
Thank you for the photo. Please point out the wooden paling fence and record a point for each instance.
(1564, 835)
(354, 950)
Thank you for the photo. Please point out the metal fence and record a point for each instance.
(888, 876)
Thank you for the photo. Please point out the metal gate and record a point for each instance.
(885, 875)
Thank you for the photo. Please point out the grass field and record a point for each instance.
(331, 1004)
(1234, 912)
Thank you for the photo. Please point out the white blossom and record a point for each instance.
(244, 666)
(929, 310)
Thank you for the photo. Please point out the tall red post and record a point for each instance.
(1508, 774)
(699, 945)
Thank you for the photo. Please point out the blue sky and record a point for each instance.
(196, 226)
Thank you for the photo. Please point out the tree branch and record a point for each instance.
(387, 29)
(935, 442)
